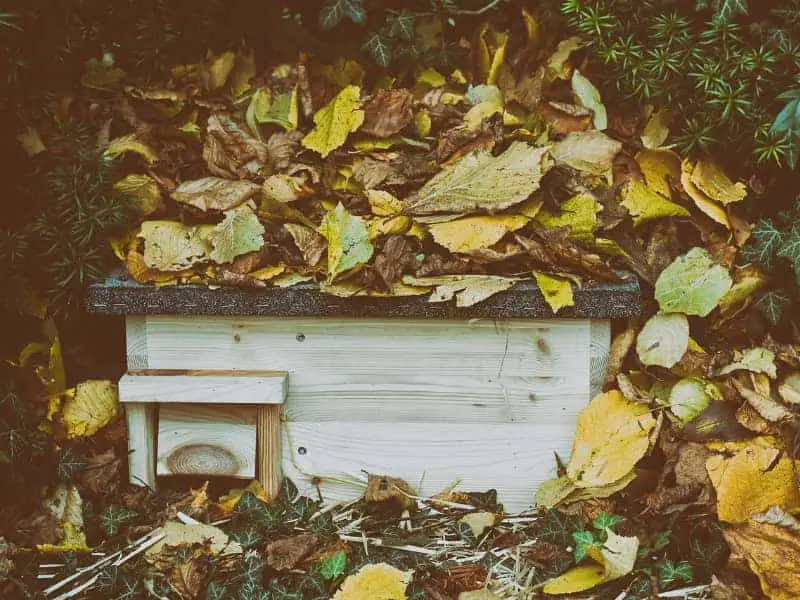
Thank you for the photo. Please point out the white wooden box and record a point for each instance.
(477, 401)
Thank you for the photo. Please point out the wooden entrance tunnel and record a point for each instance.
(431, 393)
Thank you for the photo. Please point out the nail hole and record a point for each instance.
(300, 337)
(237, 338)
(302, 450)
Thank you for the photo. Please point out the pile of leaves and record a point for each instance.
(457, 184)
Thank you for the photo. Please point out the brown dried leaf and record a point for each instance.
(388, 112)
(229, 151)
(620, 347)
(308, 241)
(213, 193)
(187, 579)
(286, 553)
(771, 410)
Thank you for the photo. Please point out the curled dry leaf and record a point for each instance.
(311, 244)
(592, 152)
(388, 112)
(482, 181)
(589, 96)
(143, 191)
(661, 169)
(712, 181)
(214, 193)
(755, 360)
(705, 203)
(771, 410)
(620, 347)
(467, 289)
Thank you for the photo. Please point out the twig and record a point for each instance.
(74, 592)
(379, 542)
(140, 549)
(684, 592)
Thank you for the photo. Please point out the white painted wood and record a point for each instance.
(199, 439)
(141, 420)
(204, 387)
(136, 342)
(600, 343)
(512, 458)
(395, 370)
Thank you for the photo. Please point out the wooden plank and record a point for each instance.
(395, 370)
(204, 387)
(199, 439)
(512, 458)
(141, 420)
(136, 342)
(600, 343)
(269, 448)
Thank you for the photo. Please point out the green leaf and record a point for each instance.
(216, 591)
(663, 340)
(402, 26)
(69, 464)
(605, 521)
(772, 304)
(334, 11)
(333, 566)
(378, 46)
(693, 284)
(582, 540)
(348, 241)
(764, 242)
(755, 360)
(239, 233)
(790, 248)
(787, 118)
(114, 517)
(670, 572)
(589, 97)
(335, 121)
(690, 397)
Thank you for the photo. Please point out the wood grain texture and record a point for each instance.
(136, 342)
(204, 388)
(269, 448)
(392, 370)
(141, 420)
(512, 458)
(199, 439)
(600, 343)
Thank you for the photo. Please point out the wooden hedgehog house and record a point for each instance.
(297, 383)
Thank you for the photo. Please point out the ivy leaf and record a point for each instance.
(114, 517)
(333, 566)
(582, 540)
(790, 248)
(765, 240)
(402, 26)
(693, 284)
(216, 591)
(248, 536)
(772, 304)
(69, 464)
(670, 572)
(334, 11)
(378, 46)
(605, 521)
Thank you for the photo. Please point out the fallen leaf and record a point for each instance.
(285, 188)
(579, 213)
(693, 284)
(620, 347)
(335, 121)
(384, 204)
(311, 244)
(188, 578)
(663, 340)
(482, 181)
(267, 107)
(88, 409)
(689, 397)
(375, 582)
(557, 291)
(130, 143)
(755, 360)
(656, 130)
(755, 477)
(142, 191)
(775, 515)
(219, 68)
(66, 506)
(612, 434)
(554, 491)
(348, 241)
(176, 534)
(590, 151)
(661, 169)
(747, 281)
(467, 289)
(773, 553)
(173, 246)
(772, 410)
(556, 64)
(214, 193)
(713, 182)
(239, 232)
(479, 522)
(789, 389)
(705, 203)
(615, 559)
(474, 233)
(31, 142)
(645, 204)
(588, 96)
(286, 553)
(388, 112)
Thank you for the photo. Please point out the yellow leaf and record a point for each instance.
(754, 478)
(554, 491)
(219, 68)
(396, 225)
(344, 72)
(747, 281)
(579, 213)
(66, 506)
(422, 123)
(773, 553)
(466, 289)
(556, 65)
(173, 246)
(474, 233)
(267, 273)
(281, 109)
(590, 151)
(483, 110)
(228, 501)
(660, 168)
(130, 143)
(557, 291)
(616, 559)
(285, 188)
(646, 205)
(92, 407)
(431, 77)
(375, 582)
(335, 121)
(706, 204)
(656, 131)
(611, 436)
(31, 142)
(383, 203)
(143, 191)
(712, 181)
(367, 143)
(243, 71)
